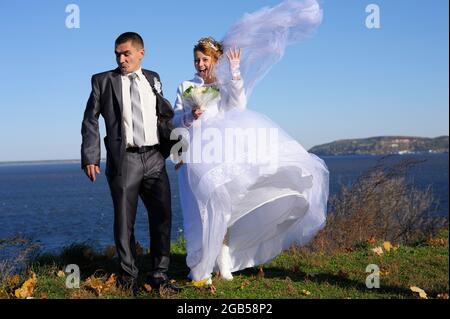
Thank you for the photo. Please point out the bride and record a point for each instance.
(248, 190)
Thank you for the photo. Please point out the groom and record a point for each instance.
(138, 126)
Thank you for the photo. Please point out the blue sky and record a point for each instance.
(347, 81)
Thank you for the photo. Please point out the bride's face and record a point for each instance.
(203, 64)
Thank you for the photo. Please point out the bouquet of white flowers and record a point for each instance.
(200, 96)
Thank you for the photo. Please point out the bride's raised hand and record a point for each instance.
(234, 58)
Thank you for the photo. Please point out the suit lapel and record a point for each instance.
(117, 88)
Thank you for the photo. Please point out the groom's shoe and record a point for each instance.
(128, 283)
(160, 281)
(171, 288)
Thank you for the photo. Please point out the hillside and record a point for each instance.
(383, 145)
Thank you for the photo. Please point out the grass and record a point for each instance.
(297, 273)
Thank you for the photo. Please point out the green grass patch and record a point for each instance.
(296, 273)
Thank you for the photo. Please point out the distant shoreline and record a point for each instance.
(50, 162)
(42, 162)
(384, 145)
(372, 146)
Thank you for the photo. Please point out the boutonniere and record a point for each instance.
(157, 85)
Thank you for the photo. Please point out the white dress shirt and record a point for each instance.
(148, 105)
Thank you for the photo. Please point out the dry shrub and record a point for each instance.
(16, 253)
(381, 204)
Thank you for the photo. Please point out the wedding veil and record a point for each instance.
(264, 35)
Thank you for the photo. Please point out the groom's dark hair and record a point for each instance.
(135, 39)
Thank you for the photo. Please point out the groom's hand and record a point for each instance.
(91, 171)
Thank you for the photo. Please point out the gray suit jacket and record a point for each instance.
(106, 100)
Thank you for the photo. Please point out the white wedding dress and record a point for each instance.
(261, 207)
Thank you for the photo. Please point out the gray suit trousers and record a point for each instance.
(143, 175)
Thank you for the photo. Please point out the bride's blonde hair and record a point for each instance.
(209, 47)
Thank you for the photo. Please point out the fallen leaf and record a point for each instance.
(95, 284)
(422, 293)
(3, 294)
(78, 294)
(61, 274)
(27, 288)
(387, 246)
(438, 242)
(306, 292)
(111, 281)
(245, 284)
(148, 288)
(213, 289)
(199, 283)
(372, 241)
(13, 281)
(383, 273)
(378, 251)
(289, 285)
(442, 296)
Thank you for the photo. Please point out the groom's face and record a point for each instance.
(129, 57)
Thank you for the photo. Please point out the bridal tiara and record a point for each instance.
(213, 46)
(209, 42)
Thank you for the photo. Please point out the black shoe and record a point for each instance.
(159, 281)
(156, 279)
(128, 283)
(171, 288)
